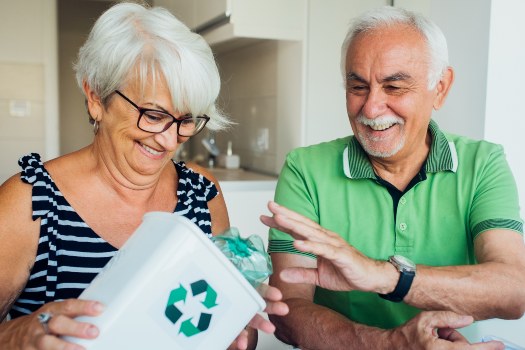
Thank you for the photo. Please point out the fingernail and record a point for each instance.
(92, 331)
(98, 307)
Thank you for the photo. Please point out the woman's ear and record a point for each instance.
(93, 102)
(443, 87)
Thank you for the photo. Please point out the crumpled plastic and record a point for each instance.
(247, 254)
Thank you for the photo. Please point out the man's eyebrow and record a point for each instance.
(400, 76)
(353, 76)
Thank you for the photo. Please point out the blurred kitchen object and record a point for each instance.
(211, 147)
(229, 160)
(181, 154)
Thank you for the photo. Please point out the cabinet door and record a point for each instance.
(206, 11)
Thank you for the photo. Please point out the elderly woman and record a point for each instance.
(150, 84)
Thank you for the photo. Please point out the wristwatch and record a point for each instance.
(407, 272)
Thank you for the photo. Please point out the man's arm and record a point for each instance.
(310, 326)
(495, 287)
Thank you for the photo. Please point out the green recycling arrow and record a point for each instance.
(202, 286)
(179, 294)
(172, 312)
(188, 329)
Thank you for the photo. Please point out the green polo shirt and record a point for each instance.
(468, 189)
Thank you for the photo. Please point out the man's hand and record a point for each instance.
(437, 330)
(340, 266)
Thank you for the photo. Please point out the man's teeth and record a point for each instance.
(381, 127)
(151, 150)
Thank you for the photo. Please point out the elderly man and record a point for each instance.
(400, 218)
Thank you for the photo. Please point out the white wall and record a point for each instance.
(504, 120)
(28, 74)
(324, 106)
(75, 19)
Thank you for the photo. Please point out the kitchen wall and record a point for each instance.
(261, 86)
(75, 19)
(28, 82)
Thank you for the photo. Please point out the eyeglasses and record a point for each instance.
(155, 121)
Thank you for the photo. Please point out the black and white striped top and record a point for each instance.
(70, 254)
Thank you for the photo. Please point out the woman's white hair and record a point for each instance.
(132, 41)
(389, 16)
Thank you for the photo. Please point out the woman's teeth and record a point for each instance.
(151, 150)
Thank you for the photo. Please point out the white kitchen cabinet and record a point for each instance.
(246, 195)
(227, 24)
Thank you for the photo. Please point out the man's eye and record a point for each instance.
(394, 89)
(357, 89)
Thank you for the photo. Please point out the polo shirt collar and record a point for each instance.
(442, 156)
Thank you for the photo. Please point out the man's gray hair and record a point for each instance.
(389, 16)
(130, 41)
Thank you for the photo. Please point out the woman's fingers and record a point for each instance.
(74, 308)
(52, 342)
(259, 322)
(273, 297)
(65, 325)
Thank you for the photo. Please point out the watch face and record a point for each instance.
(405, 263)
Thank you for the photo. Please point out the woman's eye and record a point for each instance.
(153, 117)
(188, 121)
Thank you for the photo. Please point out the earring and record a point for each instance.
(95, 127)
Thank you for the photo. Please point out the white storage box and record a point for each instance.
(169, 287)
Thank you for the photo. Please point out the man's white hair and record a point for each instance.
(390, 16)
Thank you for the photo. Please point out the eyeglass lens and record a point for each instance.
(156, 121)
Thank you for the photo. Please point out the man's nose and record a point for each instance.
(376, 103)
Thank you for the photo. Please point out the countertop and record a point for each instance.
(240, 179)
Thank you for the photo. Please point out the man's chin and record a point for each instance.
(381, 152)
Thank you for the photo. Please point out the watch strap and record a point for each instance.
(402, 287)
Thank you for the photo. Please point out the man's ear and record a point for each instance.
(443, 87)
(93, 102)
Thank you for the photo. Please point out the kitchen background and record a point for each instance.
(279, 62)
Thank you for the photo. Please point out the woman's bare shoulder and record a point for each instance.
(203, 171)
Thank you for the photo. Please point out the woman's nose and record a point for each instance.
(169, 139)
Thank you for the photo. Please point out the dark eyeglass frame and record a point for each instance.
(179, 121)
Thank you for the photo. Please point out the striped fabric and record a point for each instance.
(69, 253)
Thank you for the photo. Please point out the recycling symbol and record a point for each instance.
(178, 297)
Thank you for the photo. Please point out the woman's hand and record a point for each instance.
(27, 332)
(274, 306)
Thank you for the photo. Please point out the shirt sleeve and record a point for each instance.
(495, 204)
(292, 192)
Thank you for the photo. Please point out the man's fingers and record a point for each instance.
(300, 275)
(277, 209)
(446, 319)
